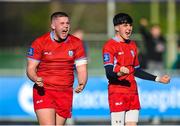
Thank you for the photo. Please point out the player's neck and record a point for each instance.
(59, 40)
(121, 38)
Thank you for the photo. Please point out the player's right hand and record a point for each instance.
(123, 71)
(79, 88)
(39, 81)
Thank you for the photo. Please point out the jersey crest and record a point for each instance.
(70, 53)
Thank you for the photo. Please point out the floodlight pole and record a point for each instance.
(154, 11)
(171, 36)
(111, 8)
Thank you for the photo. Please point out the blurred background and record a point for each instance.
(156, 32)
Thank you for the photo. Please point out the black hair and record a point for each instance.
(122, 18)
(58, 14)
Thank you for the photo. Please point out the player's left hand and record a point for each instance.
(164, 79)
(79, 88)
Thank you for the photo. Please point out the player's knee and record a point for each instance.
(131, 124)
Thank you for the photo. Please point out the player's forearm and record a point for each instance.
(31, 69)
(32, 74)
(145, 75)
(82, 74)
(109, 72)
(82, 78)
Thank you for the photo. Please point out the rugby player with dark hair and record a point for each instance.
(121, 66)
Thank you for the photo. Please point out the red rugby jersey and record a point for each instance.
(120, 54)
(57, 60)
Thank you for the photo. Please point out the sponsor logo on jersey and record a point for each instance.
(106, 57)
(132, 53)
(39, 101)
(70, 52)
(118, 103)
(120, 53)
(30, 51)
(47, 53)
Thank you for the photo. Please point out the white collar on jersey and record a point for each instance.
(116, 39)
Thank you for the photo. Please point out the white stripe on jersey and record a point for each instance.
(81, 62)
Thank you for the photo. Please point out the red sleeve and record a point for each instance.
(136, 61)
(35, 51)
(80, 50)
(108, 55)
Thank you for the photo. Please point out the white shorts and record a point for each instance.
(120, 118)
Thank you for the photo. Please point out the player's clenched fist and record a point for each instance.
(39, 81)
(123, 70)
(79, 88)
(164, 79)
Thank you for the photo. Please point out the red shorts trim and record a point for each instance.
(123, 102)
(60, 100)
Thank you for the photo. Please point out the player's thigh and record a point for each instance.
(64, 103)
(42, 98)
(46, 116)
(117, 118)
(131, 117)
(60, 120)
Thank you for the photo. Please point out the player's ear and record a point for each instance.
(116, 28)
(52, 26)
